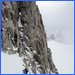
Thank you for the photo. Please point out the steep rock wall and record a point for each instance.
(23, 32)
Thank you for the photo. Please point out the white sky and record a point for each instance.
(57, 14)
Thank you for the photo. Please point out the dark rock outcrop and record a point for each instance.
(23, 32)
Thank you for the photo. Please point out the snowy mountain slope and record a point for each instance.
(63, 56)
(11, 64)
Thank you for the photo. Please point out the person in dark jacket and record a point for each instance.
(25, 71)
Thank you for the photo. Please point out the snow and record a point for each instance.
(6, 19)
(25, 24)
(21, 33)
(26, 37)
(26, 46)
(19, 23)
(19, 13)
(63, 56)
(15, 48)
(11, 64)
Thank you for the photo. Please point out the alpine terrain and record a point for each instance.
(24, 42)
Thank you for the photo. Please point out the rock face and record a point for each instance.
(23, 32)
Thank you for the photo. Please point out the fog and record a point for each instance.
(58, 18)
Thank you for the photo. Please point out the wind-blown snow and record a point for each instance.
(63, 56)
(11, 64)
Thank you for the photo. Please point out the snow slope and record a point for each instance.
(11, 64)
(63, 56)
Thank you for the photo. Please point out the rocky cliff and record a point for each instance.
(23, 33)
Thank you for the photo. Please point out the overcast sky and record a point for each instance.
(57, 15)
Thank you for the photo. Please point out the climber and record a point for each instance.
(25, 71)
